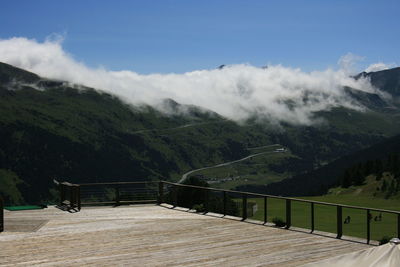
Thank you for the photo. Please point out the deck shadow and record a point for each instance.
(23, 225)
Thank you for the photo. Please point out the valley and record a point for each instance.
(252, 169)
(57, 130)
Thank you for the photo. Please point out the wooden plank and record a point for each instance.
(150, 235)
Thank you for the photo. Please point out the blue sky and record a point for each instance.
(179, 36)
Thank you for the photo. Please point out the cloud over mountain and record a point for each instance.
(277, 93)
(379, 66)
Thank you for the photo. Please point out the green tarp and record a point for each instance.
(28, 207)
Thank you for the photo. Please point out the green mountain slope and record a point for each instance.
(51, 129)
(318, 182)
(386, 80)
(86, 136)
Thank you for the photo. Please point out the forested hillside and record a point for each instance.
(50, 129)
(55, 130)
(348, 170)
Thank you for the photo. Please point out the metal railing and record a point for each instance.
(322, 216)
(118, 193)
(291, 212)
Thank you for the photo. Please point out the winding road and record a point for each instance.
(178, 127)
(260, 147)
(185, 175)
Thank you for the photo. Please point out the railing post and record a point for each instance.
(312, 217)
(62, 193)
(265, 210)
(175, 195)
(339, 221)
(244, 209)
(224, 207)
(398, 225)
(71, 195)
(78, 192)
(288, 213)
(206, 201)
(117, 199)
(160, 192)
(74, 196)
(1, 215)
(368, 226)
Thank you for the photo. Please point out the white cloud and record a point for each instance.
(379, 66)
(349, 62)
(237, 92)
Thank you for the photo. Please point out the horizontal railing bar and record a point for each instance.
(138, 200)
(118, 183)
(88, 189)
(122, 201)
(283, 198)
(93, 202)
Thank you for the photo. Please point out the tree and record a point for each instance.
(384, 185)
(368, 166)
(346, 180)
(358, 177)
(378, 169)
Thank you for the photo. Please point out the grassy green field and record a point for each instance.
(325, 216)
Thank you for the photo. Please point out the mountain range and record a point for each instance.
(56, 130)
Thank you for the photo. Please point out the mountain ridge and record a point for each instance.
(52, 129)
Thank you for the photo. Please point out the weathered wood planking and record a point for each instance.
(157, 236)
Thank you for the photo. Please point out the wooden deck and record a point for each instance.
(150, 235)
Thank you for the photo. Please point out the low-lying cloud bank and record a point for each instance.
(237, 92)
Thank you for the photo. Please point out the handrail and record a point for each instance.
(117, 183)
